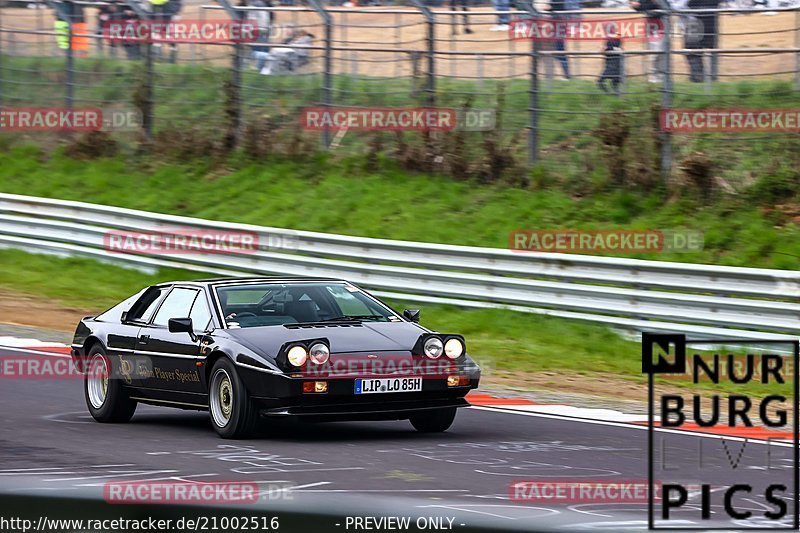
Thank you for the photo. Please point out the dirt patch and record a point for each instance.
(592, 384)
(25, 310)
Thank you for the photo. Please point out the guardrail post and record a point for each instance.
(327, 74)
(533, 89)
(234, 96)
(666, 96)
(147, 97)
(431, 42)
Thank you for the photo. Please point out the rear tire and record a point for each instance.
(106, 398)
(232, 412)
(435, 421)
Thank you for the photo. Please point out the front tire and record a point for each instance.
(232, 413)
(107, 400)
(435, 421)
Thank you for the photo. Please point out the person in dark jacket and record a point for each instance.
(656, 12)
(106, 13)
(132, 47)
(701, 31)
(612, 50)
(556, 6)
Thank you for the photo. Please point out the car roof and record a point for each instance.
(254, 279)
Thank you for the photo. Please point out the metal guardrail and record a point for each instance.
(702, 300)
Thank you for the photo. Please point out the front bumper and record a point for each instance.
(372, 410)
(282, 395)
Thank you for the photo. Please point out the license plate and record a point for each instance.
(375, 386)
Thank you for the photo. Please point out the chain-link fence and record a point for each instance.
(543, 88)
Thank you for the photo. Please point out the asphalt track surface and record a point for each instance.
(50, 445)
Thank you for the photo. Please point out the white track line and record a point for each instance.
(777, 442)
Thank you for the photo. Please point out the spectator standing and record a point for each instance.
(612, 51)
(71, 29)
(463, 4)
(163, 12)
(556, 9)
(105, 14)
(132, 47)
(502, 18)
(656, 12)
(263, 21)
(701, 32)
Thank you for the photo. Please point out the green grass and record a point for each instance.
(318, 195)
(193, 96)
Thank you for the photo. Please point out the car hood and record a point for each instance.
(343, 338)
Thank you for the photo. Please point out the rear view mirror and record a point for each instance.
(411, 314)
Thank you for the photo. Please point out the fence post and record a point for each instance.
(235, 109)
(327, 74)
(797, 45)
(666, 95)
(533, 90)
(2, 36)
(70, 65)
(431, 39)
(147, 104)
(64, 11)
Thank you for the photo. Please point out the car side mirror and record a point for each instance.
(181, 325)
(412, 315)
(123, 317)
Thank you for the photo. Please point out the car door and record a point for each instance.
(122, 342)
(174, 356)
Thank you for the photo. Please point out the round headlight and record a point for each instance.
(297, 355)
(433, 347)
(453, 348)
(319, 353)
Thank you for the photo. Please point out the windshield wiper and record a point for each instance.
(351, 318)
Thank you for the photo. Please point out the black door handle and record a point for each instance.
(143, 339)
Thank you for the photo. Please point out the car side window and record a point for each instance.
(143, 309)
(200, 314)
(177, 304)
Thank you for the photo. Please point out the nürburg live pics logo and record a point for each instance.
(723, 438)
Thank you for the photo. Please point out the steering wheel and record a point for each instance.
(245, 314)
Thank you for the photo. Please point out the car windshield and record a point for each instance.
(273, 304)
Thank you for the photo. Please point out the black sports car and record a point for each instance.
(318, 349)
